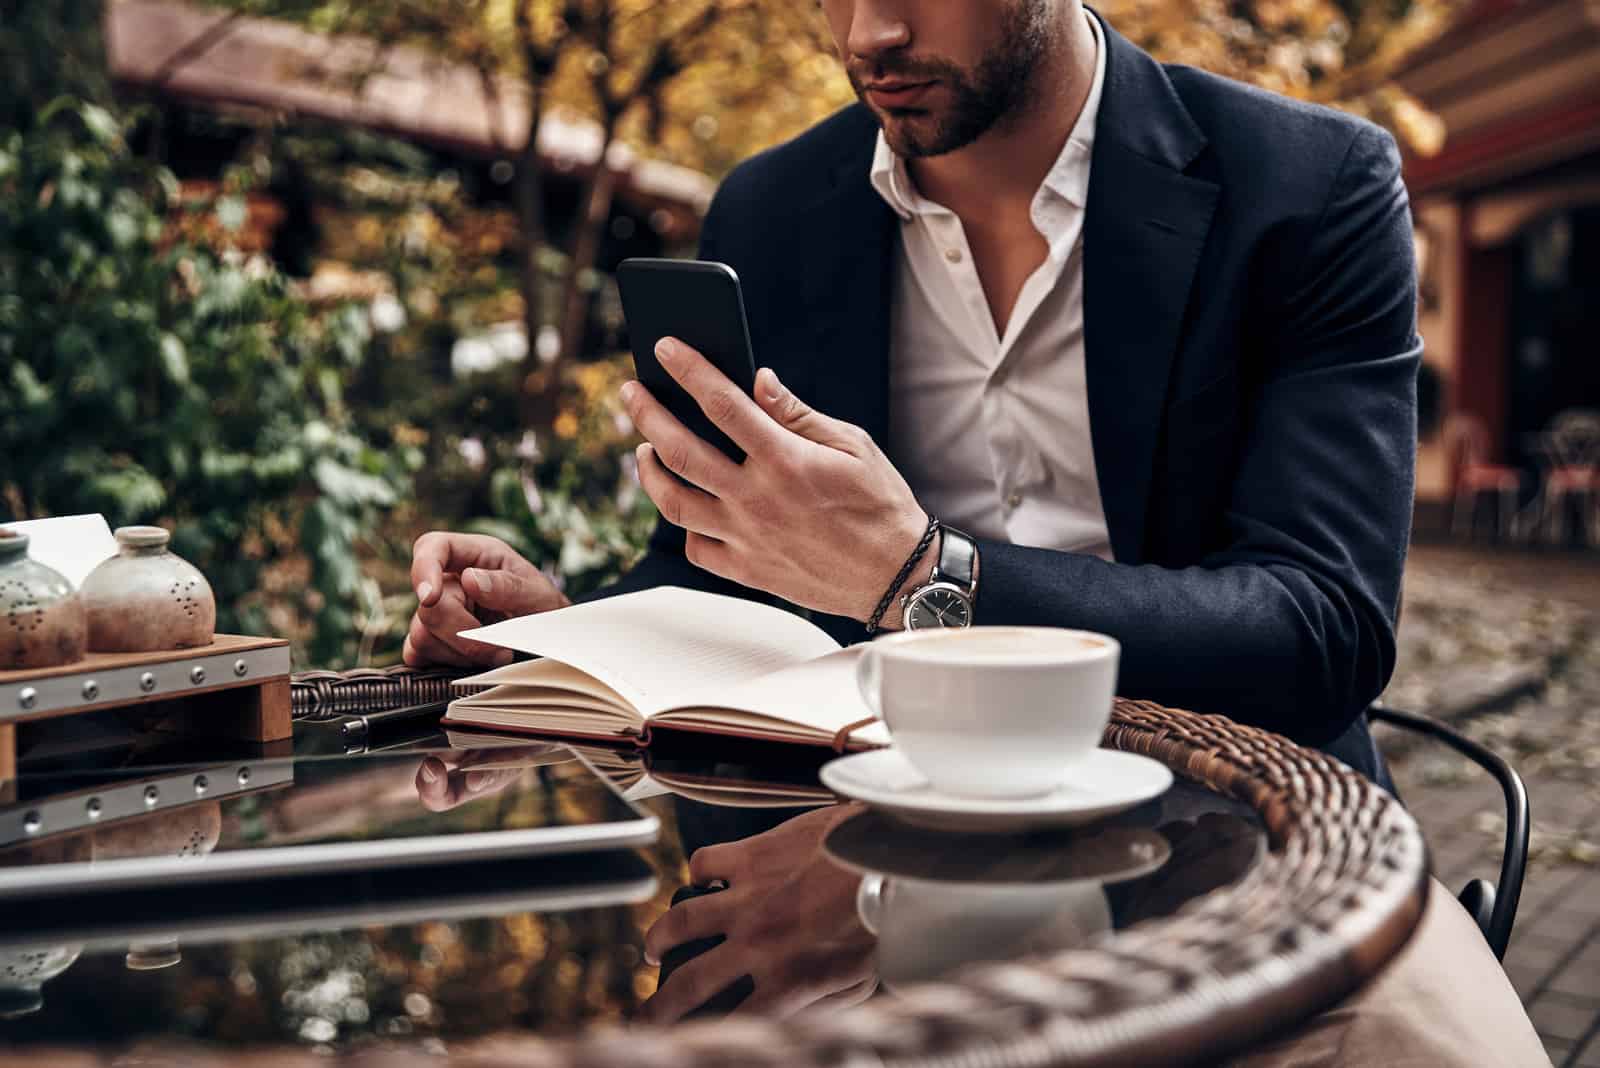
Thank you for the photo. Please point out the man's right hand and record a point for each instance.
(464, 581)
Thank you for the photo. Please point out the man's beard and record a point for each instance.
(990, 95)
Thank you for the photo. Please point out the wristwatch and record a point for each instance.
(946, 599)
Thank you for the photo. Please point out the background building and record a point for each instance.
(1508, 228)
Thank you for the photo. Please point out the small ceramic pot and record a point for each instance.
(23, 973)
(42, 620)
(146, 599)
(189, 831)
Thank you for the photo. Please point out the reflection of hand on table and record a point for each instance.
(445, 780)
(789, 918)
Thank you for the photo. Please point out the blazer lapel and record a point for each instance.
(852, 234)
(1144, 228)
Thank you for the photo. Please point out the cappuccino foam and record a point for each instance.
(998, 645)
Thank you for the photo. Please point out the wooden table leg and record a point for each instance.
(273, 719)
(8, 752)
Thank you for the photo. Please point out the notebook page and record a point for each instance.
(535, 680)
(655, 645)
(819, 695)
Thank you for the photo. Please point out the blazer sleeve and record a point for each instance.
(1290, 624)
(664, 563)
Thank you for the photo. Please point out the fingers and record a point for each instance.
(724, 403)
(440, 788)
(436, 629)
(448, 617)
(422, 648)
(681, 505)
(507, 592)
(438, 552)
(698, 917)
(681, 449)
(692, 985)
(709, 554)
(432, 782)
(792, 413)
(714, 862)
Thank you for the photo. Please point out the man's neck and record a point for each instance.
(1010, 161)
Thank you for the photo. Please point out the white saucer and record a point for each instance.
(1103, 783)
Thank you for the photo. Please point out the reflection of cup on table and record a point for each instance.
(936, 901)
(992, 711)
(925, 929)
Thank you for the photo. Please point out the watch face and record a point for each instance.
(940, 606)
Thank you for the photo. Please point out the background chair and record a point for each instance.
(1572, 444)
(1493, 906)
(1467, 445)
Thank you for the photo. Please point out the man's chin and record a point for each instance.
(911, 132)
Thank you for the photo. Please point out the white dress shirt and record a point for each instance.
(992, 432)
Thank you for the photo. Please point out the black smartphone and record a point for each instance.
(699, 303)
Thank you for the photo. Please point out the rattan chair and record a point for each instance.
(1492, 905)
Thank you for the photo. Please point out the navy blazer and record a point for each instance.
(1251, 349)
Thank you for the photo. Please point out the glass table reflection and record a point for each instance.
(762, 895)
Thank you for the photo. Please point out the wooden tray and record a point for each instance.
(255, 671)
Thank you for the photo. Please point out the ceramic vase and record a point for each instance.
(145, 599)
(23, 973)
(42, 620)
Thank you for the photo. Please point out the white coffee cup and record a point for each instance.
(999, 712)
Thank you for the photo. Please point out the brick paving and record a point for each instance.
(1553, 738)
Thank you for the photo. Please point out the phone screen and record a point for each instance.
(699, 303)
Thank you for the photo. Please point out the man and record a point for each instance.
(1144, 339)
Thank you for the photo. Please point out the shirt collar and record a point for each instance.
(1068, 177)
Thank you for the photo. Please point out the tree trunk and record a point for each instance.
(529, 196)
(585, 252)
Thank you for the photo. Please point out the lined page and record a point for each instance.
(818, 696)
(655, 646)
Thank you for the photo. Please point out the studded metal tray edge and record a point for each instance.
(122, 685)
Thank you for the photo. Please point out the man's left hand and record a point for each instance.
(816, 514)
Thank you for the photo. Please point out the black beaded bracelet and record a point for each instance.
(905, 572)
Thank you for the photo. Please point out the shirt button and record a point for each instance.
(953, 255)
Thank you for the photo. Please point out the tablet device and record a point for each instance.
(247, 909)
(699, 303)
(278, 817)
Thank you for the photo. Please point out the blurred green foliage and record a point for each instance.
(47, 50)
(570, 500)
(152, 372)
(149, 376)
(563, 492)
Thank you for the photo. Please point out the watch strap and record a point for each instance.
(957, 554)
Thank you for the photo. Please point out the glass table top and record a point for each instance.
(791, 902)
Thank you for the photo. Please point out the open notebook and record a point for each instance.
(670, 659)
